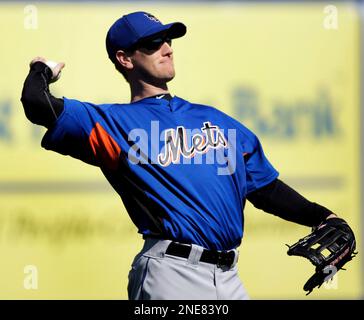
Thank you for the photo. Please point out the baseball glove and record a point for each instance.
(329, 247)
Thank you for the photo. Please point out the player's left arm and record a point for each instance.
(266, 192)
(281, 200)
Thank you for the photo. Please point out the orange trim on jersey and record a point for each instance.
(104, 147)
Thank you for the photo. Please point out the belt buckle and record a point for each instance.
(225, 259)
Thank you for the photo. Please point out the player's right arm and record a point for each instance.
(40, 106)
(75, 128)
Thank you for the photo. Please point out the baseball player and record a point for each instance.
(183, 170)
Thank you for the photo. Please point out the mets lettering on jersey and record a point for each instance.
(182, 144)
(172, 162)
(176, 143)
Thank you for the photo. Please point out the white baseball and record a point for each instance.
(52, 65)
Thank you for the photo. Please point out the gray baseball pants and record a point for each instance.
(155, 275)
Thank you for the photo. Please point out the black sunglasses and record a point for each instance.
(153, 44)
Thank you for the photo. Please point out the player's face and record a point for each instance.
(153, 62)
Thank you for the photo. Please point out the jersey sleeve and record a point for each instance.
(259, 171)
(82, 133)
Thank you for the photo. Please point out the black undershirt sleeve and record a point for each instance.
(281, 200)
(40, 106)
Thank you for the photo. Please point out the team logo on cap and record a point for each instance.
(151, 17)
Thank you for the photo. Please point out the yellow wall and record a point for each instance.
(273, 67)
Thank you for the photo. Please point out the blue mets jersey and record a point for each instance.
(182, 170)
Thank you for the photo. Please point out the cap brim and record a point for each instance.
(173, 30)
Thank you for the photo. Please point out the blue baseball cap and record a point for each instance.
(135, 27)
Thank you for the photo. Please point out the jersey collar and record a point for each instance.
(173, 104)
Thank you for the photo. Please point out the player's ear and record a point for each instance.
(124, 59)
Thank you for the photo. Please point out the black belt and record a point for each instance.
(220, 258)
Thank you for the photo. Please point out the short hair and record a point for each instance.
(121, 69)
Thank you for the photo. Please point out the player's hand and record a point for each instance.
(56, 68)
(332, 215)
